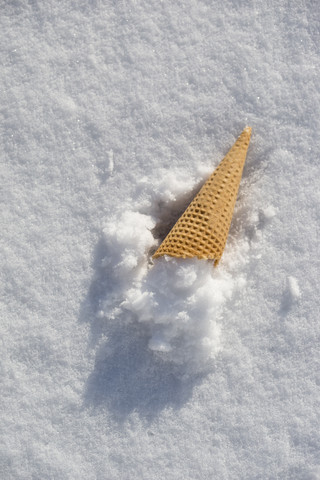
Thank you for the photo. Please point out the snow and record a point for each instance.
(114, 366)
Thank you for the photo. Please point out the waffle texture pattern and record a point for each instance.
(203, 228)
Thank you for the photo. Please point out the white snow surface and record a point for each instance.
(115, 366)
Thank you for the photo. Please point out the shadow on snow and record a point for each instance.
(127, 376)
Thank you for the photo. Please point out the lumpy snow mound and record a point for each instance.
(181, 301)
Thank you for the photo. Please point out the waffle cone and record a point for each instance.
(203, 228)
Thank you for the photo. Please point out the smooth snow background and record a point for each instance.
(100, 103)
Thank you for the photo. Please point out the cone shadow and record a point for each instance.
(127, 377)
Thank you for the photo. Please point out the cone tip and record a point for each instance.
(248, 130)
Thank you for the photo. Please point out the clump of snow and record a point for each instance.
(291, 294)
(181, 301)
(167, 187)
(269, 212)
(293, 288)
(128, 239)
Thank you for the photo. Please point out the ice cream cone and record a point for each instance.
(203, 228)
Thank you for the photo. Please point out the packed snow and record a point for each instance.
(115, 365)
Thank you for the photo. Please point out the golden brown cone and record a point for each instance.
(203, 228)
